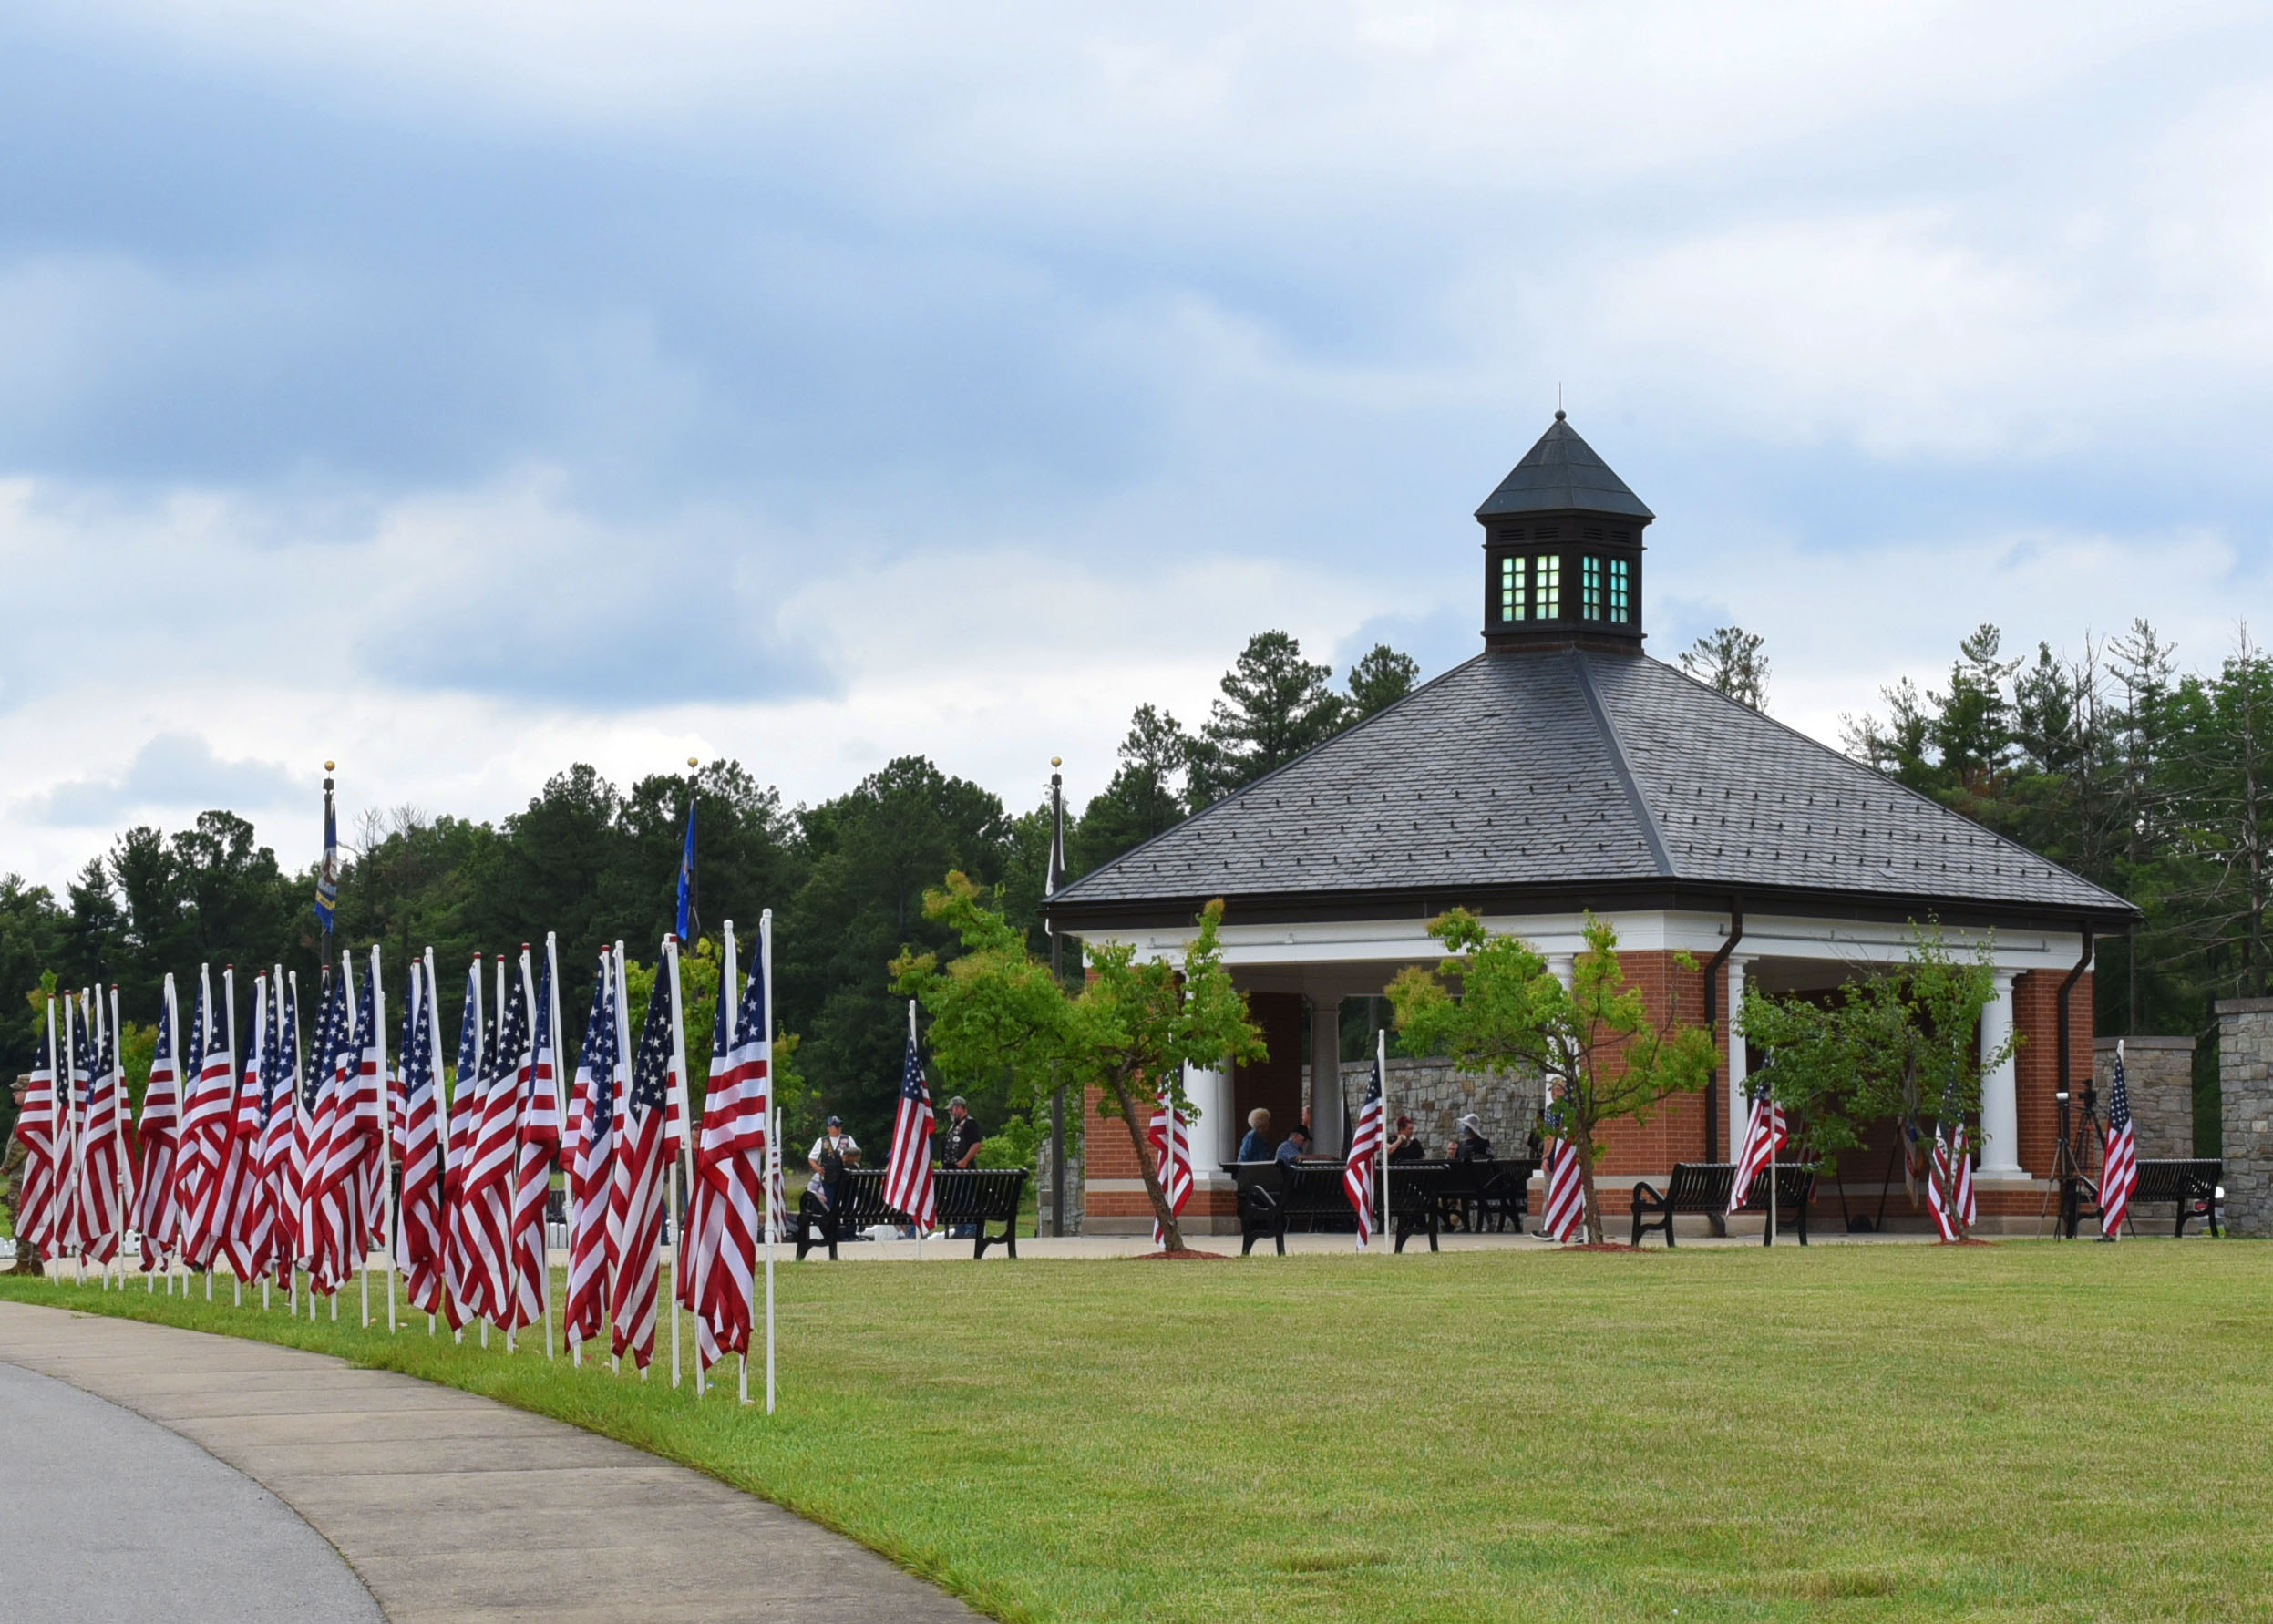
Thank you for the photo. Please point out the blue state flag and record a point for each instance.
(686, 879)
(327, 879)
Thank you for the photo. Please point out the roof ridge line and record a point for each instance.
(1648, 819)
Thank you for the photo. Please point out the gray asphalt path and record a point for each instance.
(112, 1516)
(449, 1506)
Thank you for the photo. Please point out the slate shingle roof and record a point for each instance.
(1573, 768)
(1560, 473)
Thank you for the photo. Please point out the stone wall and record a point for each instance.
(2160, 1073)
(2245, 1075)
(1436, 1097)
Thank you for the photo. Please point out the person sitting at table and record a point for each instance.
(1406, 1145)
(1471, 1145)
(1256, 1147)
(1297, 1147)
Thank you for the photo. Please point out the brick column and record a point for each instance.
(2245, 1076)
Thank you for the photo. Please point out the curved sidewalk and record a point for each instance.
(450, 1506)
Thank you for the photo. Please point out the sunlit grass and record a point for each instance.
(2026, 1431)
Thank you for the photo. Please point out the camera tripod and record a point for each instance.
(2069, 1178)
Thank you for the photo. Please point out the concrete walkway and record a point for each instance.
(111, 1517)
(448, 1506)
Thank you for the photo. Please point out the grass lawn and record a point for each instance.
(2024, 1431)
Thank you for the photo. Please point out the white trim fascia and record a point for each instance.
(1331, 942)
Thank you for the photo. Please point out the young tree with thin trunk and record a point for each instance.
(1496, 1008)
(1128, 1032)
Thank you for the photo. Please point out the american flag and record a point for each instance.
(158, 1210)
(487, 1195)
(462, 1276)
(205, 1123)
(105, 1197)
(1564, 1213)
(327, 1196)
(1171, 1138)
(368, 1119)
(36, 1128)
(590, 1155)
(1968, 1211)
(419, 1233)
(244, 1200)
(644, 1153)
(539, 1131)
(1766, 1132)
(2119, 1163)
(1949, 1182)
(79, 1081)
(907, 1173)
(723, 1209)
(279, 1112)
(1365, 1146)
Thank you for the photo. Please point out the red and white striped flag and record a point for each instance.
(370, 1120)
(486, 1195)
(106, 1191)
(1564, 1215)
(77, 1081)
(206, 1119)
(1171, 1138)
(725, 1208)
(280, 1124)
(907, 1172)
(462, 1274)
(1962, 1155)
(1365, 1147)
(420, 1235)
(602, 1075)
(538, 1131)
(643, 1157)
(157, 1207)
(246, 1236)
(1766, 1132)
(38, 1128)
(2119, 1163)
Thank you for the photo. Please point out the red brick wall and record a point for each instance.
(1675, 1130)
(2035, 1009)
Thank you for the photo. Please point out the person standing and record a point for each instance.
(958, 1146)
(832, 1153)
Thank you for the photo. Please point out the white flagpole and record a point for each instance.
(292, 1284)
(229, 998)
(773, 1148)
(387, 1219)
(927, 1088)
(727, 1000)
(427, 989)
(623, 1070)
(670, 1177)
(102, 1270)
(1381, 1064)
(559, 1115)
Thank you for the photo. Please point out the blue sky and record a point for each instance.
(462, 390)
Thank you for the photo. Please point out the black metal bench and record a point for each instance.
(1702, 1190)
(980, 1196)
(1417, 1199)
(2190, 1184)
(974, 1196)
(1273, 1195)
(1487, 1193)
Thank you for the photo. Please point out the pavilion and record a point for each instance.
(1563, 770)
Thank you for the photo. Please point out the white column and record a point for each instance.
(1325, 1096)
(2001, 1094)
(1739, 1066)
(1216, 1136)
(1563, 967)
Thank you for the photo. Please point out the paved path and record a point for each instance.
(448, 1506)
(111, 1517)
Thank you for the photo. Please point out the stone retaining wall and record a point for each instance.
(2245, 1072)
(2160, 1073)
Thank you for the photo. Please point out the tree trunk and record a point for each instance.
(1582, 1145)
(1171, 1233)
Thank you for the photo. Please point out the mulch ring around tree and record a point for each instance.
(1186, 1254)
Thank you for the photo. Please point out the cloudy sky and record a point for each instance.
(464, 389)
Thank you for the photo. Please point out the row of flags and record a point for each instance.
(255, 1157)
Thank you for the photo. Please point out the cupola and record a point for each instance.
(1562, 551)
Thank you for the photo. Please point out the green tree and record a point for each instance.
(871, 853)
(1128, 1031)
(1142, 800)
(1381, 677)
(1275, 704)
(1496, 1007)
(1731, 660)
(1903, 1045)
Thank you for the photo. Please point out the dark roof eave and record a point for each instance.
(1077, 918)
